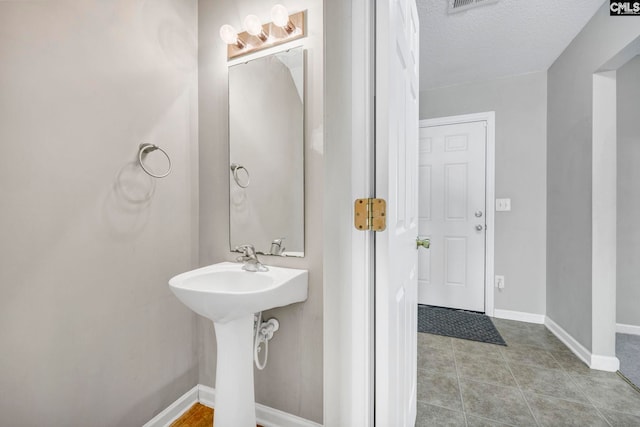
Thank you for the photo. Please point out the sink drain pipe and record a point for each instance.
(263, 332)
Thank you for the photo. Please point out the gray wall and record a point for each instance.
(628, 271)
(292, 380)
(90, 332)
(569, 169)
(520, 103)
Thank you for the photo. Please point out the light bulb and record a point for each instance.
(253, 25)
(279, 15)
(228, 34)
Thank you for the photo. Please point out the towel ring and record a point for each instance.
(235, 168)
(148, 148)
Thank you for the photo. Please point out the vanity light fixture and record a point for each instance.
(283, 29)
(229, 35)
(280, 17)
(254, 27)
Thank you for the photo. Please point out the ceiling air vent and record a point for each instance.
(461, 5)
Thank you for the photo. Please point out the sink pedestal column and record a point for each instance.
(235, 398)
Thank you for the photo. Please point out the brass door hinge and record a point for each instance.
(370, 214)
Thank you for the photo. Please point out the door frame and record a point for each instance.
(348, 264)
(490, 171)
(604, 211)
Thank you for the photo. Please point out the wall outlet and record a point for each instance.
(500, 282)
(503, 205)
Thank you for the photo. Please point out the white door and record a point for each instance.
(452, 188)
(396, 181)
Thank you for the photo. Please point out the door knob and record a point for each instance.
(424, 242)
(479, 227)
(478, 214)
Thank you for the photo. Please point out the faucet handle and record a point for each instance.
(276, 246)
(246, 250)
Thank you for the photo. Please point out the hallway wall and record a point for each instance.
(520, 103)
(90, 333)
(628, 269)
(292, 380)
(569, 169)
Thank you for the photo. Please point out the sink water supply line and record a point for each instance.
(263, 333)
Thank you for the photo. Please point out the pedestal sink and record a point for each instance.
(230, 296)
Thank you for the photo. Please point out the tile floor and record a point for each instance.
(534, 381)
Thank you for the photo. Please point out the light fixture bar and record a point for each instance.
(276, 36)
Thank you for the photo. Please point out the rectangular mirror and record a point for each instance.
(266, 154)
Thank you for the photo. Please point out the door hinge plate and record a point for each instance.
(370, 214)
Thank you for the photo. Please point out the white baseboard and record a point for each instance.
(207, 396)
(568, 340)
(594, 361)
(269, 417)
(621, 328)
(519, 316)
(604, 363)
(265, 416)
(175, 410)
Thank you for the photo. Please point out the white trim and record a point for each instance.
(577, 348)
(207, 396)
(594, 361)
(269, 417)
(348, 265)
(604, 215)
(362, 280)
(303, 42)
(520, 316)
(265, 416)
(175, 410)
(490, 118)
(621, 328)
(605, 363)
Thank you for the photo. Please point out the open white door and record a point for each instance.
(396, 257)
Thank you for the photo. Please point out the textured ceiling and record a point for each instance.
(503, 39)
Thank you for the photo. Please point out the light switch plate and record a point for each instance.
(500, 282)
(503, 205)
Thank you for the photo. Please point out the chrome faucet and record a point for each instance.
(276, 247)
(250, 259)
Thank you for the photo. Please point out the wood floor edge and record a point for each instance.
(206, 396)
(175, 410)
(198, 415)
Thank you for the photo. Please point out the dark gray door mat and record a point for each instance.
(628, 352)
(466, 325)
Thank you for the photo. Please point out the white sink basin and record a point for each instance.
(223, 292)
(230, 296)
